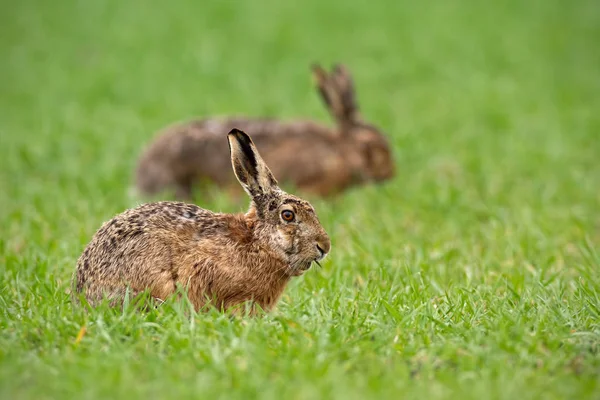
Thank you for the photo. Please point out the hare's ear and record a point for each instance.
(345, 87)
(328, 92)
(249, 167)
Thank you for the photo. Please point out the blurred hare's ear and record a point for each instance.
(249, 167)
(329, 92)
(345, 87)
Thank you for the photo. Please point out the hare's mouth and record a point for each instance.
(303, 268)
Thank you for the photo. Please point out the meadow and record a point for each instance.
(473, 274)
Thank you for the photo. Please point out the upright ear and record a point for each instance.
(328, 92)
(345, 87)
(249, 167)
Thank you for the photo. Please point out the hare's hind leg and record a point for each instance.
(116, 296)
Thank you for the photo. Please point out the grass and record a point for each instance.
(473, 274)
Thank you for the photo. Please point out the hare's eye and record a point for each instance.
(287, 215)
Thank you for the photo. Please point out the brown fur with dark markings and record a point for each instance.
(314, 158)
(222, 259)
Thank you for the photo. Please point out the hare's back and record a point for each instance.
(284, 145)
(143, 245)
(156, 219)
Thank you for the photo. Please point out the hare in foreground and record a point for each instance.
(222, 259)
(310, 156)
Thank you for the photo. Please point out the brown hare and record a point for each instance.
(223, 260)
(311, 157)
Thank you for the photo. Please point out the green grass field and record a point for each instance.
(474, 274)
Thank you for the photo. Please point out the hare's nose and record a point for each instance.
(324, 245)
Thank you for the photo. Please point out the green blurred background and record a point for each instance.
(472, 274)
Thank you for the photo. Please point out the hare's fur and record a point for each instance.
(221, 259)
(310, 156)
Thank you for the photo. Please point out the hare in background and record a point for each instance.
(310, 156)
(222, 259)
